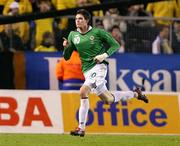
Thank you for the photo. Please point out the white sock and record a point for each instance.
(83, 112)
(123, 95)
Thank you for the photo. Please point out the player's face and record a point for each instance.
(81, 22)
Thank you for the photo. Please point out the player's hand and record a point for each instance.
(65, 42)
(100, 58)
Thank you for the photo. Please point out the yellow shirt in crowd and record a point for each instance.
(2, 2)
(45, 49)
(162, 9)
(24, 6)
(43, 25)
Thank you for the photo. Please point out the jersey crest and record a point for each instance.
(92, 39)
(76, 39)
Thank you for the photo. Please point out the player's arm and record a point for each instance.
(68, 47)
(114, 46)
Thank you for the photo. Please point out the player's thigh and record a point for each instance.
(107, 97)
(96, 75)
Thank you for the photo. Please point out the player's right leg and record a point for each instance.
(78, 132)
(83, 111)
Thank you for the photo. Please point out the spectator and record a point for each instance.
(99, 24)
(64, 4)
(2, 3)
(34, 4)
(43, 25)
(82, 3)
(117, 34)
(9, 40)
(177, 8)
(161, 43)
(176, 37)
(20, 28)
(47, 44)
(162, 9)
(112, 18)
(138, 11)
(69, 73)
(61, 5)
(24, 6)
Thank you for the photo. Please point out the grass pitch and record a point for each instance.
(88, 140)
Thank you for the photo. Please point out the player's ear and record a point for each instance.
(88, 21)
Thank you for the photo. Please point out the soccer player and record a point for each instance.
(88, 42)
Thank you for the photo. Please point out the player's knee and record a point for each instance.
(108, 101)
(84, 92)
(107, 97)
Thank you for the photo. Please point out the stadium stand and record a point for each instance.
(138, 38)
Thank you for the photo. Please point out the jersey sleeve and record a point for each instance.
(114, 45)
(68, 50)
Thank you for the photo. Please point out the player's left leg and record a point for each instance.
(117, 96)
(95, 79)
(101, 90)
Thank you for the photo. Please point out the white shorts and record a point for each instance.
(95, 78)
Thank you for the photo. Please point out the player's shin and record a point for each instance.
(83, 112)
(122, 95)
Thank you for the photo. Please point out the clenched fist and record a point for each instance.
(100, 58)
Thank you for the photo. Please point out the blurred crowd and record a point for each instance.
(134, 35)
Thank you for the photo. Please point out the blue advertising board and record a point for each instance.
(40, 67)
(125, 71)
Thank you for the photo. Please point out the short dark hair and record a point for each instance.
(85, 13)
(114, 27)
(162, 27)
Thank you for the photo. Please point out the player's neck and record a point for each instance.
(84, 29)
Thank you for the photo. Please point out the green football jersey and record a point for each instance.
(90, 45)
